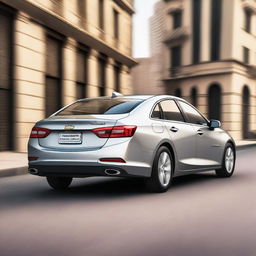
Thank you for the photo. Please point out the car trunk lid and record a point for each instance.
(75, 132)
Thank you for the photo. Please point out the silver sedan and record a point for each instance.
(152, 137)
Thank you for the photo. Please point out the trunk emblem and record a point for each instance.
(69, 127)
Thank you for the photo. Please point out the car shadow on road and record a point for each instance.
(96, 189)
(109, 188)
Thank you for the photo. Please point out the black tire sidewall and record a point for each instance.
(59, 183)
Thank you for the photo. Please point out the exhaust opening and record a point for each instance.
(33, 171)
(112, 172)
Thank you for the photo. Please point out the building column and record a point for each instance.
(253, 110)
(232, 116)
(110, 73)
(29, 77)
(69, 71)
(187, 45)
(125, 78)
(92, 87)
(205, 31)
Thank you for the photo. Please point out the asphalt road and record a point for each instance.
(199, 215)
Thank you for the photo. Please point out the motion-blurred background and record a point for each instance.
(53, 52)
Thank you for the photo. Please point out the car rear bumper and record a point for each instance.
(78, 171)
(84, 163)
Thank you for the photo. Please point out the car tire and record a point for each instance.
(59, 183)
(162, 170)
(228, 162)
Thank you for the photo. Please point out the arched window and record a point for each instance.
(178, 93)
(246, 112)
(193, 96)
(214, 102)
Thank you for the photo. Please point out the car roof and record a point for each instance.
(145, 97)
(136, 97)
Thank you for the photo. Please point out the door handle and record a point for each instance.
(200, 132)
(174, 129)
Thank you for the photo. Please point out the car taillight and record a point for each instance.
(115, 131)
(32, 158)
(116, 160)
(39, 132)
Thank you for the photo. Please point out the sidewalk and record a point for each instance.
(12, 164)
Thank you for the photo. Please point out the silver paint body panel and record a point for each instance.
(192, 152)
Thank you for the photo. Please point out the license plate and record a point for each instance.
(70, 138)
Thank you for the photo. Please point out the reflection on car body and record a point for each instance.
(151, 137)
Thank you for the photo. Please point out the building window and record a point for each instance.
(178, 93)
(53, 75)
(102, 63)
(215, 29)
(116, 24)
(196, 30)
(117, 78)
(214, 102)
(6, 81)
(248, 19)
(81, 10)
(194, 100)
(101, 14)
(246, 112)
(175, 56)
(177, 19)
(82, 73)
(246, 55)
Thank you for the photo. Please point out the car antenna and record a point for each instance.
(116, 94)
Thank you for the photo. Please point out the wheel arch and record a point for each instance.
(233, 144)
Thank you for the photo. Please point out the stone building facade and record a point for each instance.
(157, 26)
(147, 75)
(210, 59)
(53, 52)
(142, 82)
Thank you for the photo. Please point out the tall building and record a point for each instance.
(157, 26)
(147, 75)
(141, 77)
(53, 52)
(210, 59)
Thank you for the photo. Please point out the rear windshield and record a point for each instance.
(101, 107)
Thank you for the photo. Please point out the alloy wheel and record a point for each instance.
(164, 168)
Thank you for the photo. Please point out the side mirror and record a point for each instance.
(214, 124)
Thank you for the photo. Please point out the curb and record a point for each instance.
(24, 170)
(14, 172)
(241, 147)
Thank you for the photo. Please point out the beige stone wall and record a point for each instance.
(240, 36)
(232, 88)
(30, 60)
(232, 76)
(69, 71)
(29, 78)
(70, 14)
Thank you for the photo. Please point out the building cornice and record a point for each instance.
(127, 5)
(210, 68)
(60, 24)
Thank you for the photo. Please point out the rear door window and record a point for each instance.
(157, 112)
(101, 107)
(171, 111)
